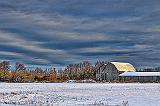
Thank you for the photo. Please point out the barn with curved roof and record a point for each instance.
(110, 71)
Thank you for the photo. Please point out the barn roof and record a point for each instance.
(140, 74)
(123, 66)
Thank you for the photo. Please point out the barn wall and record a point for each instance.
(140, 79)
(107, 72)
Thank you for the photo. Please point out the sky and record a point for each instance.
(62, 32)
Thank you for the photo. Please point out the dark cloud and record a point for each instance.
(62, 31)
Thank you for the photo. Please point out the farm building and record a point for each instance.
(140, 76)
(110, 71)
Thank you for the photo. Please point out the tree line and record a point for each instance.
(80, 71)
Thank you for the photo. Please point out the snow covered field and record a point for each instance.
(80, 94)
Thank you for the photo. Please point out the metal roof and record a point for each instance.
(140, 74)
(123, 66)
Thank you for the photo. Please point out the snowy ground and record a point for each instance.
(80, 94)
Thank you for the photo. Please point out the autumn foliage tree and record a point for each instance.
(4, 67)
